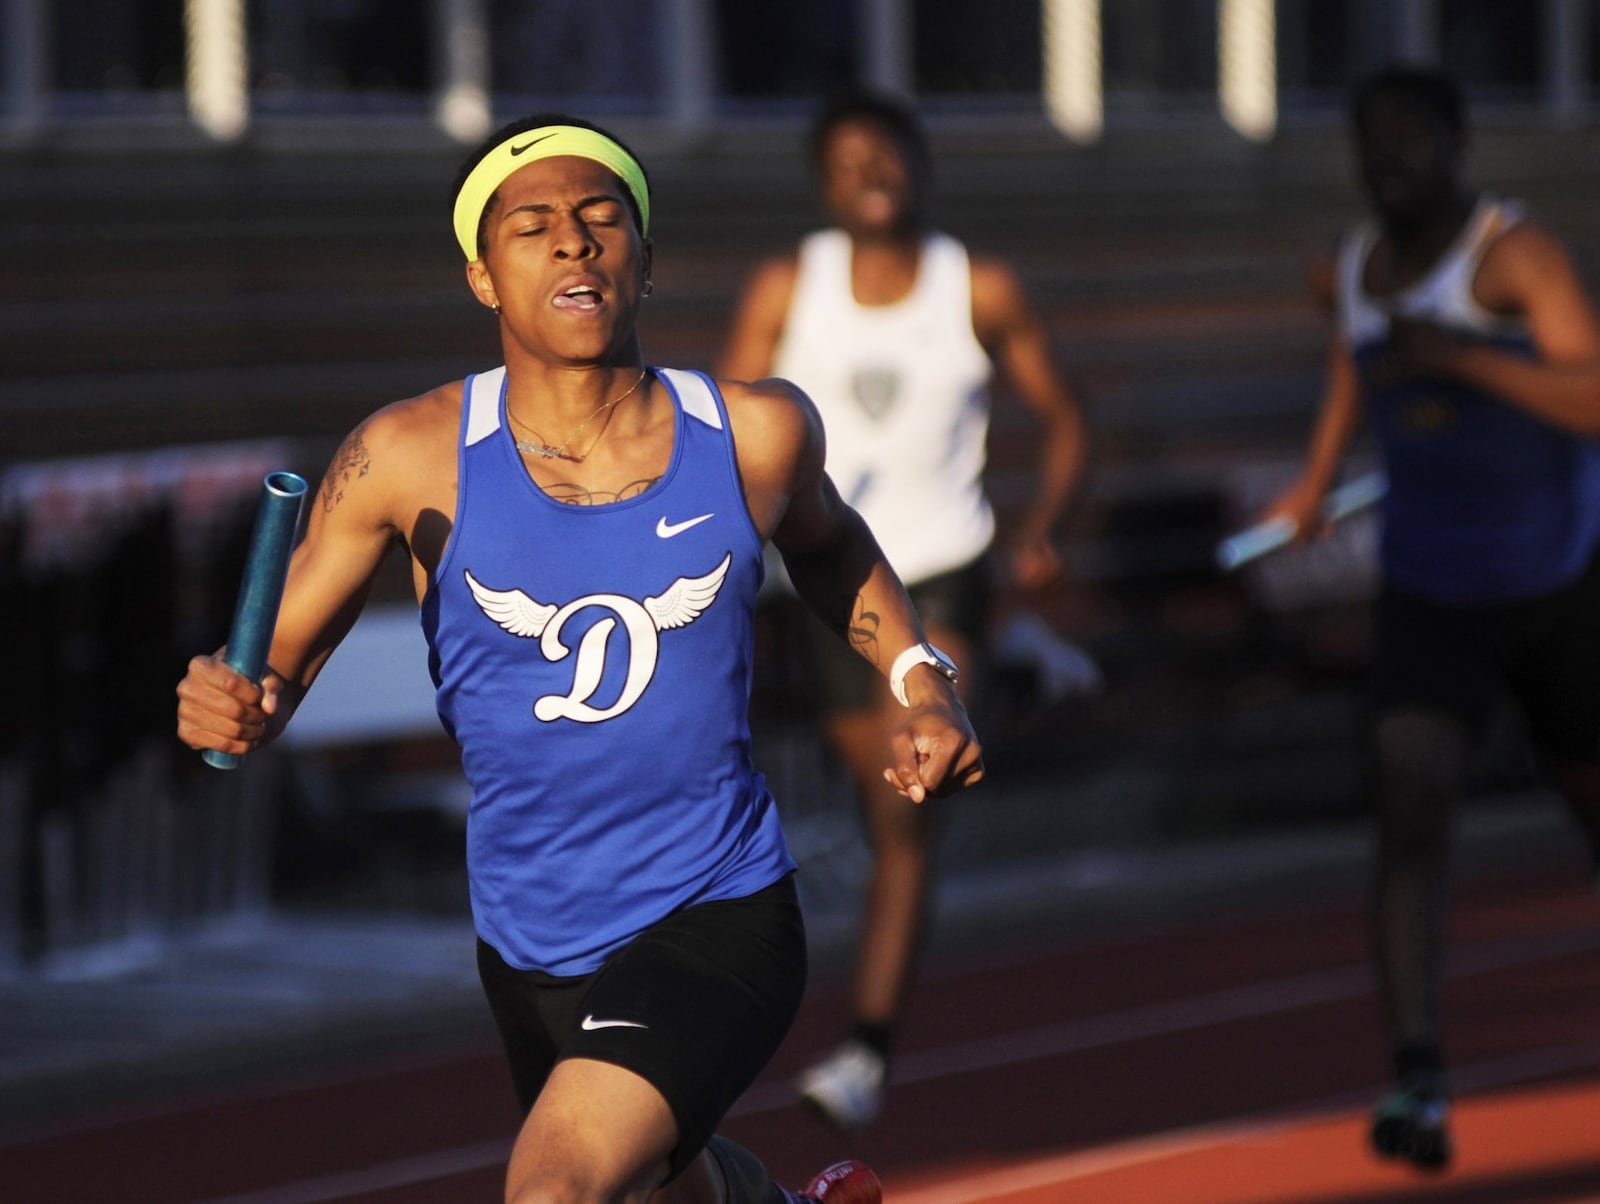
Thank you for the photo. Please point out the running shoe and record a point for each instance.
(1412, 1123)
(846, 1087)
(845, 1183)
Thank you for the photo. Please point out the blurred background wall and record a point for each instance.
(224, 239)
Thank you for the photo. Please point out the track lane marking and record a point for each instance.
(1273, 997)
(992, 1184)
(403, 1172)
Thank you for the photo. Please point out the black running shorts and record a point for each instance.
(696, 1005)
(1461, 659)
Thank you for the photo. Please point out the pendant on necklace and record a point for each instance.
(529, 448)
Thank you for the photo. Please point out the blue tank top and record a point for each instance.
(593, 663)
(1486, 503)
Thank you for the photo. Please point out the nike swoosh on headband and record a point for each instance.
(517, 150)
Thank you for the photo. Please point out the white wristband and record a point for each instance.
(918, 654)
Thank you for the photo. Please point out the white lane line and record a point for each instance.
(1084, 1164)
(1184, 1015)
(1060, 1169)
(1076, 1036)
(403, 1172)
(1223, 1007)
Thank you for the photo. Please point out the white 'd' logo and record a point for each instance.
(679, 605)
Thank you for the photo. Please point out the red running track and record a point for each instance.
(1222, 1061)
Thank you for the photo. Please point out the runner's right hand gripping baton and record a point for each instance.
(1255, 542)
(255, 614)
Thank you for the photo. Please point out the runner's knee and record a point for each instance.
(1420, 765)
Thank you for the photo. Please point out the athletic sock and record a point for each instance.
(877, 1037)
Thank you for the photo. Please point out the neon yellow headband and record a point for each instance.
(542, 142)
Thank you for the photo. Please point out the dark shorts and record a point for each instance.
(1463, 660)
(955, 601)
(715, 987)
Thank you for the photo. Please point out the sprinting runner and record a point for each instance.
(895, 332)
(1464, 333)
(585, 534)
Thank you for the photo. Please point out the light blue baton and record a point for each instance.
(255, 613)
(1255, 542)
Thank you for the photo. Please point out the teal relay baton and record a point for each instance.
(1263, 538)
(255, 613)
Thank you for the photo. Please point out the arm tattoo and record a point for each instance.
(862, 631)
(351, 462)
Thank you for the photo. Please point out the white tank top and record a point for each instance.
(903, 394)
(1443, 296)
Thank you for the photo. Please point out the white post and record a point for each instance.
(1074, 93)
(690, 52)
(1566, 35)
(461, 105)
(885, 45)
(216, 69)
(22, 33)
(1247, 67)
(1418, 32)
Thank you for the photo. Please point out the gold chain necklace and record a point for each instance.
(538, 447)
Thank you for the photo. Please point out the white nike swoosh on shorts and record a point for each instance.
(666, 530)
(590, 1024)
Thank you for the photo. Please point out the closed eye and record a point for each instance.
(531, 220)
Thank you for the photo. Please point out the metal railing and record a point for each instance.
(113, 839)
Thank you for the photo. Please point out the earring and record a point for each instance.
(649, 287)
(496, 308)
